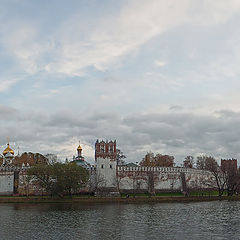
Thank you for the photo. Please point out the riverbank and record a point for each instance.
(94, 200)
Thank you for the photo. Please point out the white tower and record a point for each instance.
(106, 164)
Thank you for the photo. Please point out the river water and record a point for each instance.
(205, 220)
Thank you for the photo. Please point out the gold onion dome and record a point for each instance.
(79, 148)
(8, 150)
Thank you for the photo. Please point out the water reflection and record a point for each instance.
(213, 220)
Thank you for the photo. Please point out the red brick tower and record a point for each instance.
(105, 150)
(227, 164)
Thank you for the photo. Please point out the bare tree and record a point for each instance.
(173, 179)
(188, 162)
(151, 183)
(120, 175)
(210, 164)
(120, 157)
(97, 184)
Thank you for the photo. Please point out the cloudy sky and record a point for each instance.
(155, 75)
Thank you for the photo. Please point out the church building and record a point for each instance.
(79, 159)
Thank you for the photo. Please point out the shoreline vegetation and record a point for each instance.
(130, 199)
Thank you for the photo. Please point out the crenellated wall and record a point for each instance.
(156, 179)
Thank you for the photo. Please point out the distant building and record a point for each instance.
(131, 165)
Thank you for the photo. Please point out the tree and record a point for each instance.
(70, 177)
(120, 157)
(205, 162)
(188, 162)
(43, 175)
(31, 159)
(97, 184)
(158, 160)
(210, 164)
(148, 160)
(59, 178)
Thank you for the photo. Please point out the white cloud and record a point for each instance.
(117, 35)
(113, 37)
(74, 46)
(24, 41)
(6, 84)
(159, 63)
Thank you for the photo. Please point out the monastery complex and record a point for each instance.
(107, 174)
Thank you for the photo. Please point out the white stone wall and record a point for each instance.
(106, 172)
(160, 178)
(6, 182)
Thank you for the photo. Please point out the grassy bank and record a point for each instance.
(93, 200)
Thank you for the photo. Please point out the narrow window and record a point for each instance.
(110, 166)
(111, 148)
(102, 148)
(102, 166)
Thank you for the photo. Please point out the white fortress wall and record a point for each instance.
(161, 178)
(6, 182)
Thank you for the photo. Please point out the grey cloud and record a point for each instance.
(176, 108)
(177, 134)
(7, 112)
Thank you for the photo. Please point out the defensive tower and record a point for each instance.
(106, 164)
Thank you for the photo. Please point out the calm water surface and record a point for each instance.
(208, 220)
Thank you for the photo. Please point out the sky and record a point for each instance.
(155, 75)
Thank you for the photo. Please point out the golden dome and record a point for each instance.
(79, 148)
(7, 150)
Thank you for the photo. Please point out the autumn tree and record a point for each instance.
(188, 162)
(158, 160)
(30, 158)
